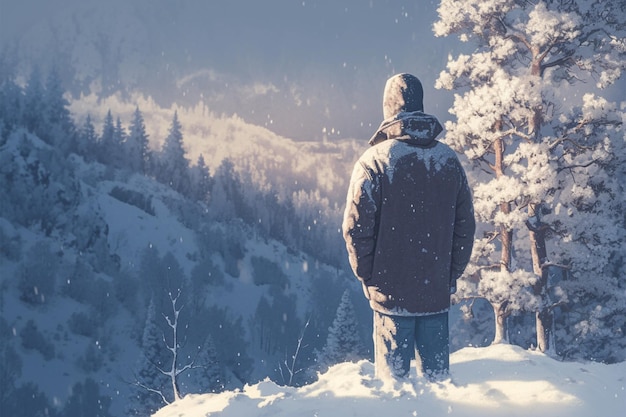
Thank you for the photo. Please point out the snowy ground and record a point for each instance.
(499, 380)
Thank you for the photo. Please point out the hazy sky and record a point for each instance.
(299, 67)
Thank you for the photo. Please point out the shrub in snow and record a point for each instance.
(32, 338)
(37, 273)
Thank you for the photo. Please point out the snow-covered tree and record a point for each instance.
(174, 166)
(290, 368)
(174, 346)
(87, 140)
(207, 374)
(201, 180)
(33, 109)
(36, 185)
(86, 401)
(119, 158)
(343, 342)
(226, 198)
(107, 139)
(9, 61)
(11, 102)
(136, 145)
(38, 273)
(147, 396)
(10, 365)
(58, 128)
(542, 147)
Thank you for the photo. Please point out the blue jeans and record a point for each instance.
(399, 339)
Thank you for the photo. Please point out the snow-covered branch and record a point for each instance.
(291, 368)
(152, 390)
(574, 166)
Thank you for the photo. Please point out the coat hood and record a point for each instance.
(403, 94)
(415, 127)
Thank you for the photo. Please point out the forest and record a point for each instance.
(121, 260)
(138, 268)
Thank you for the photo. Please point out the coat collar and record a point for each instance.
(417, 128)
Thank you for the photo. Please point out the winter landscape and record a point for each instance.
(173, 178)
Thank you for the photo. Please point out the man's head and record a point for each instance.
(403, 93)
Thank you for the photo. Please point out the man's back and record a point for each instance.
(418, 191)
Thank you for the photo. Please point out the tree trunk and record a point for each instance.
(545, 337)
(500, 315)
(506, 240)
(537, 235)
(543, 316)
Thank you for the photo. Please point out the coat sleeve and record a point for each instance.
(464, 228)
(359, 222)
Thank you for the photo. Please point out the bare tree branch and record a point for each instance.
(155, 391)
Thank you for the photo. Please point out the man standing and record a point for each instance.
(409, 230)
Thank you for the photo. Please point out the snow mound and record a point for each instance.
(501, 380)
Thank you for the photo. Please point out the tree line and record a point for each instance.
(303, 220)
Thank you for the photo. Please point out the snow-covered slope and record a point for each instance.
(501, 380)
(87, 322)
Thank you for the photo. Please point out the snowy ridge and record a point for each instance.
(251, 148)
(500, 380)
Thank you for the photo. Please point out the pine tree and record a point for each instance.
(201, 180)
(11, 102)
(107, 140)
(229, 193)
(136, 145)
(86, 401)
(148, 395)
(150, 273)
(541, 153)
(207, 374)
(33, 109)
(343, 342)
(58, 128)
(9, 62)
(119, 158)
(88, 140)
(174, 165)
(10, 365)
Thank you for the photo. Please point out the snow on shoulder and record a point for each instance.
(502, 380)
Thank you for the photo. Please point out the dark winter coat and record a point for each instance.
(409, 220)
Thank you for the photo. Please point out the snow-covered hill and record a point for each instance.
(500, 380)
(74, 239)
(252, 149)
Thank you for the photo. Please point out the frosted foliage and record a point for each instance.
(532, 166)
(595, 107)
(513, 287)
(454, 14)
(593, 324)
(545, 26)
(488, 196)
(481, 108)
(455, 69)
(546, 151)
(502, 48)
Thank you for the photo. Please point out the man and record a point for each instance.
(409, 230)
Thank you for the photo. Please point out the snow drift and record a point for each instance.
(500, 380)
